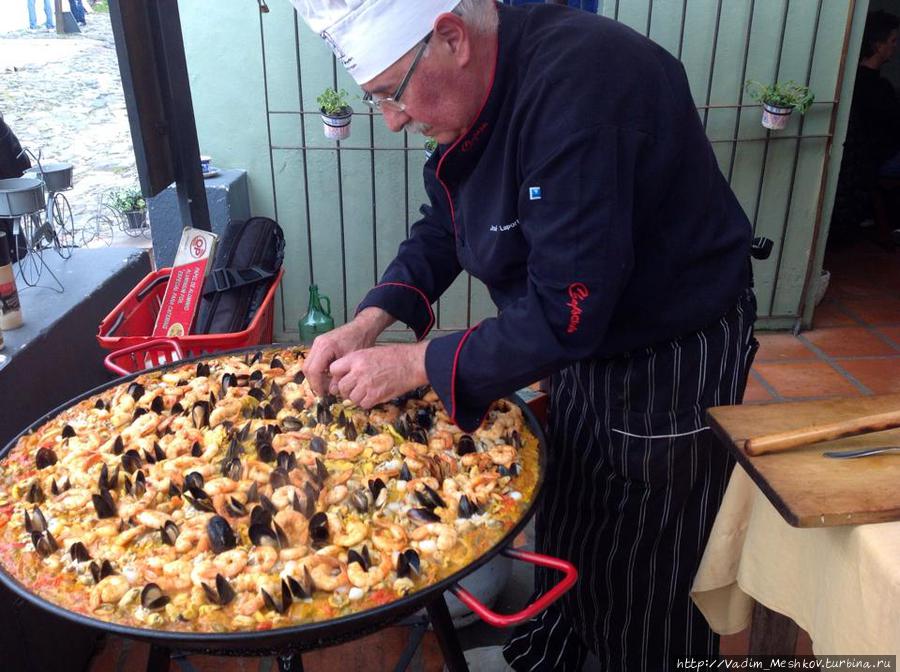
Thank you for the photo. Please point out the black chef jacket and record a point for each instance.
(587, 198)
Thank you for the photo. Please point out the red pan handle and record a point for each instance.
(544, 601)
(153, 346)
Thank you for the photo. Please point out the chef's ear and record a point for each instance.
(453, 35)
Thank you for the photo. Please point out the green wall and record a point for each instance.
(255, 77)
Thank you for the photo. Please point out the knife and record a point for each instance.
(865, 452)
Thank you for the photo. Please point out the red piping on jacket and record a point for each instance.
(437, 173)
(424, 298)
(453, 376)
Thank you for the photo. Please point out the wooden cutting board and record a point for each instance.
(808, 489)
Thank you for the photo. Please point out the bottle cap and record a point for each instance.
(4, 249)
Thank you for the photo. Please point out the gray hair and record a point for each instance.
(479, 14)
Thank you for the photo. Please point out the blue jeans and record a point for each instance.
(48, 14)
(77, 11)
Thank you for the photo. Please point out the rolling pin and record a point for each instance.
(776, 443)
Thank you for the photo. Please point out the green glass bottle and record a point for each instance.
(317, 320)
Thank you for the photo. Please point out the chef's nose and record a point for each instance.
(395, 120)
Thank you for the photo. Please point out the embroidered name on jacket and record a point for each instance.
(505, 227)
(578, 292)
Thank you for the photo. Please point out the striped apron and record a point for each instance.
(633, 482)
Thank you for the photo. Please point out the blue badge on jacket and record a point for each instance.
(534, 193)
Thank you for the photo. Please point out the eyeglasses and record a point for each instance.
(392, 103)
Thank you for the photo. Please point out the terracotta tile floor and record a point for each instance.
(854, 349)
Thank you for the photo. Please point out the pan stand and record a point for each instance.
(291, 661)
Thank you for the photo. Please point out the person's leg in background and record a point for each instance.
(49, 14)
(32, 15)
(77, 11)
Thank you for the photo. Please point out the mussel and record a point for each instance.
(232, 468)
(153, 598)
(318, 444)
(253, 493)
(194, 480)
(244, 432)
(512, 470)
(67, 431)
(174, 490)
(405, 474)
(286, 460)
(35, 494)
(131, 461)
(376, 486)
(44, 543)
(104, 504)
(267, 504)
(318, 527)
(44, 458)
(169, 532)
(256, 376)
(157, 405)
(466, 508)
(361, 500)
(276, 363)
(429, 498)
(263, 535)
(265, 452)
(278, 605)
(269, 412)
(465, 445)
(35, 522)
(118, 446)
(350, 432)
(62, 486)
(260, 516)
(301, 588)
(200, 414)
(136, 390)
(199, 500)
(79, 552)
(425, 418)
(418, 436)
(202, 370)
(323, 414)
(100, 405)
(158, 452)
(221, 536)
(422, 516)
(100, 571)
(235, 508)
(177, 408)
(321, 471)
(363, 560)
(222, 593)
(292, 423)
(408, 563)
(279, 478)
(196, 449)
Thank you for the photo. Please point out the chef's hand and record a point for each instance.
(371, 376)
(357, 334)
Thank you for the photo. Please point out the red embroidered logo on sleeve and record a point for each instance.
(578, 292)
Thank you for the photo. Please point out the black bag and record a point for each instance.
(248, 257)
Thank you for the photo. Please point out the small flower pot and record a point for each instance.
(337, 127)
(135, 219)
(775, 118)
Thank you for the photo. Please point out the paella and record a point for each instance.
(224, 495)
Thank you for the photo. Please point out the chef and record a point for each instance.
(573, 177)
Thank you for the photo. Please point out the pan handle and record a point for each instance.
(533, 609)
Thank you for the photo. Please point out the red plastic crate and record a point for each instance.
(142, 356)
(131, 322)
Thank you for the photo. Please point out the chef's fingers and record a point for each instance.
(315, 366)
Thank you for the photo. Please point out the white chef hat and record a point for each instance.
(369, 36)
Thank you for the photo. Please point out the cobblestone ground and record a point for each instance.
(62, 96)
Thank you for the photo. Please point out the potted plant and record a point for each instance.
(130, 202)
(430, 147)
(336, 113)
(779, 100)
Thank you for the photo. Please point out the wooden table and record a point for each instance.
(838, 580)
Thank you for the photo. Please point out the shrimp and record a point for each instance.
(283, 497)
(74, 498)
(263, 558)
(153, 519)
(129, 535)
(380, 443)
(259, 471)
(292, 441)
(480, 488)
(388, 537)
(226, 409)
(441, 440)
(176, 575)
(481, 460)
(367, 578)
(446, 536)
(413, 450)
(350, 534)
(220, 486)
(204, 572)
(336, 495)
(503, 455)
(247, 604)
(295, 526)
(344, 450)
(110, 590)
(231, 563)
(327, 573)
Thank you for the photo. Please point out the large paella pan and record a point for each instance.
(219, 502)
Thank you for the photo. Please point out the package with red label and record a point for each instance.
(185, 286)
